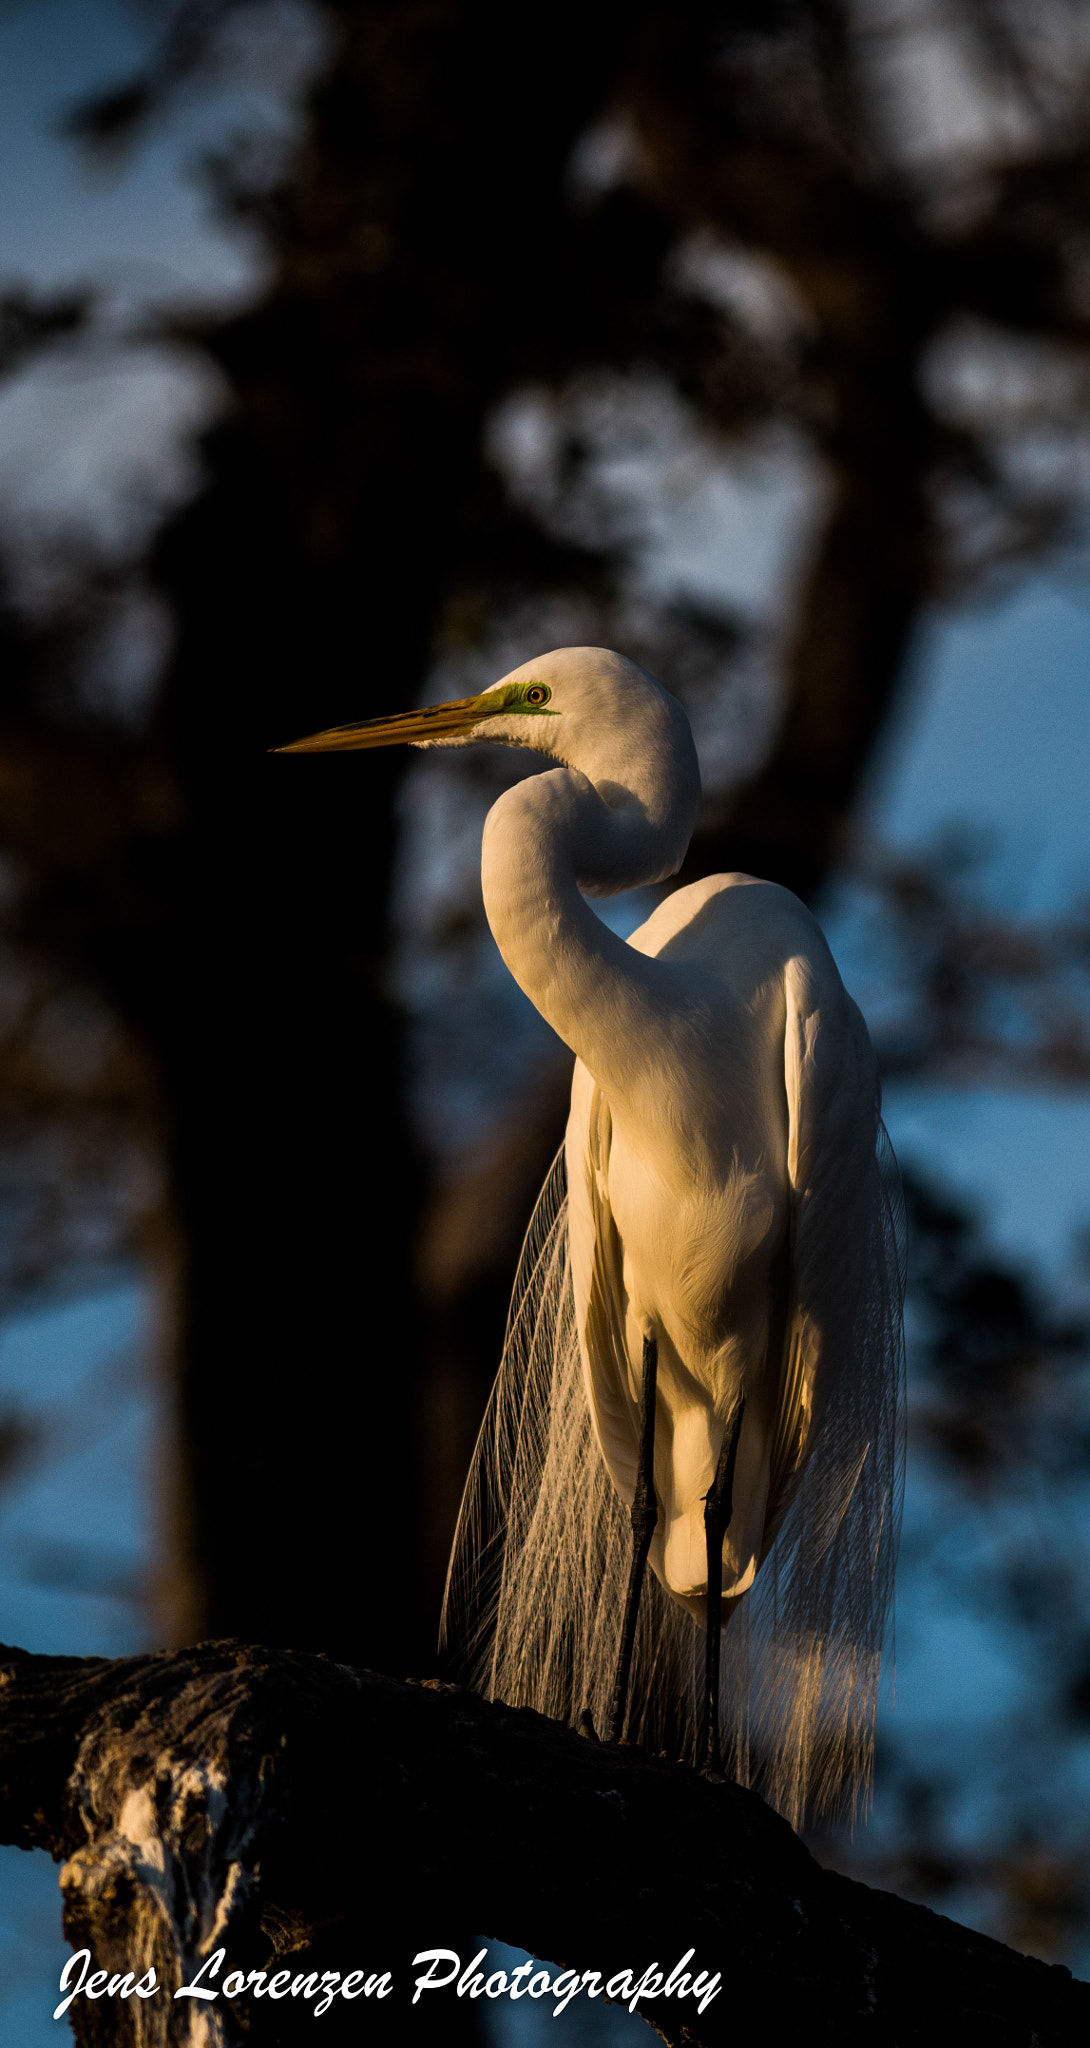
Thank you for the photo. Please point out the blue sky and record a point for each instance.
(994, 735)
(144, 230)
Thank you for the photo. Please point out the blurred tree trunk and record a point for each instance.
(307, 581)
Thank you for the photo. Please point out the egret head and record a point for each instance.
(587, 707)
(591, 711)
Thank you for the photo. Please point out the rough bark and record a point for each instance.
(305, 1816)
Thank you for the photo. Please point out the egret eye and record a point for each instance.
(538, 693)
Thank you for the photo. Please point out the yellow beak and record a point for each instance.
(442, 721)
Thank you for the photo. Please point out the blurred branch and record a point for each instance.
(1000, 1371)
(30, 321)
(85, 810)
(958, 992)
(188, 32)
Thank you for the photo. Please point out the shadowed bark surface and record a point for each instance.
(305, 1816)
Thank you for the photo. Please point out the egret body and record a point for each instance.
(708, 1321)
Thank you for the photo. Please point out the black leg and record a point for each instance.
(644, 1513)
(718, 1509)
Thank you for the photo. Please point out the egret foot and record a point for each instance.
(644, 1514)
(718, 1509)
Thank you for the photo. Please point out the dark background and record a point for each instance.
(751, 340)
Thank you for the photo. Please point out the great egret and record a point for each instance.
(706, 1325)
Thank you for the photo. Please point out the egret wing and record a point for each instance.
(597, 1265)
(819, 1608)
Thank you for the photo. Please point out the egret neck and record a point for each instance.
(558, 836)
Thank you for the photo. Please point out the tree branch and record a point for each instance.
(259, 1801)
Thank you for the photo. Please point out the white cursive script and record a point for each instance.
(442, 1970)
(322, 1985)
(625, 1986)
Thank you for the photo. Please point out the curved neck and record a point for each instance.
(546, 841)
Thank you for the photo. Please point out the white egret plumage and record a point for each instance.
(704, 1356)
